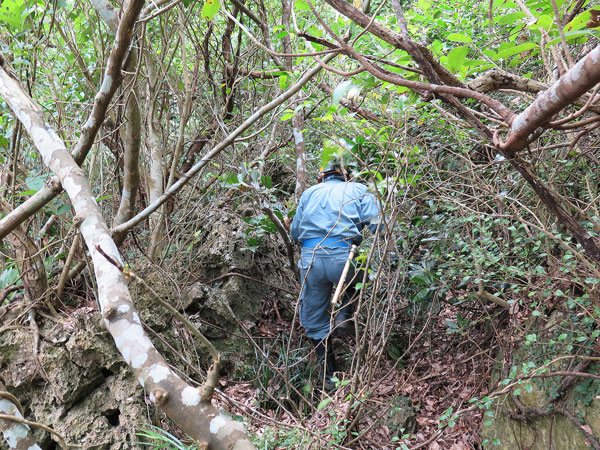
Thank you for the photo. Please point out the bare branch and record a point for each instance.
(228, 140)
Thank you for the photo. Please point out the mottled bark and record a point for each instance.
(107, 13)
(112, 80)
(131, 157)
(184, 404)
(256, 74)
(155, 179)
(198, 144)
(576, 82)
(133, 127)
(495, 79)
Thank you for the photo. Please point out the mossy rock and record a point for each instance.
(552, 431)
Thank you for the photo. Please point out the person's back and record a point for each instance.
(329, 219)
(335, 209)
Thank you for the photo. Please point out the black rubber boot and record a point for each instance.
(343, 324)
(326, 361)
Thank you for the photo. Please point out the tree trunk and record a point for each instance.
(184, 404)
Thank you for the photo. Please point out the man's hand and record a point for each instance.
(287, 222)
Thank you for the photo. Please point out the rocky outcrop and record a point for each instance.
(78, 385)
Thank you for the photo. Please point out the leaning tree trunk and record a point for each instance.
(187, 406)
(131, 159)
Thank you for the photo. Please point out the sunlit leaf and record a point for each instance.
(543, 21)
(456, 57)
(11, 13)
(507, 53)
(509, 19)
(302, 5)
(457, 37)
(579, 21)
(340, 91)
(287, 115)
(210, 9)
(571, 36)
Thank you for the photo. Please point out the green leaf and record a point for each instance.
(26, 193)
(210, 9)
(543, 21)
(35, 183)
(571, 36)
(424, 5)
(331, 149)
(458, 37)
(302, 5)
(283, 82)
(578, 22)
(489, 53)
(11, 13)
(511, 51)
(287, 116)
(324, 403)
(509, 19)
(456, 58)
(63, 209)
(8, 276)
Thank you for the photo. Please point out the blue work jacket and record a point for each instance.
(335, 209)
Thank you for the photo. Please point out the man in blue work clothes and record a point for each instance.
(328, 220)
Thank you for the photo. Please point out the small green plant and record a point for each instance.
(448, 419)
(402, 436)
(157, 438)
(336, 429)
(274, 438)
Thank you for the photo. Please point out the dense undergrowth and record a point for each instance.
(474, 297)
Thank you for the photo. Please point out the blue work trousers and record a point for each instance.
(320, 269)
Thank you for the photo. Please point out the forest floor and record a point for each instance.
(442, 370)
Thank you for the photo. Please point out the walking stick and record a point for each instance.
(338, 289)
